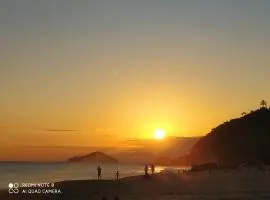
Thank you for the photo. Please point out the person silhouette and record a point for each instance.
(153, 168)
(146, 170)
(117, 174)
(99, 172)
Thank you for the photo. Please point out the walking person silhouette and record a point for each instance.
(117, 174)
(153, 168)
(145, 170)
(99, 172)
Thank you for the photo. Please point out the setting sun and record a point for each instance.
(159, 134)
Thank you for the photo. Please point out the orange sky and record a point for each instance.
(96, 73)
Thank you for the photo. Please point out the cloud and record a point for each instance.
(104, 132)
(61, 130)
(107, 135)
(133, 143)
(134, 140)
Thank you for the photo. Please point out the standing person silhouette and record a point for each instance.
(153, 168)
(117, 174)
(146, 170)
(99, 172)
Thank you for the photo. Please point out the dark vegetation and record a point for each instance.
(240, 140)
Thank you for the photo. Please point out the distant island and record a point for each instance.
(240, 140)
(95, 157)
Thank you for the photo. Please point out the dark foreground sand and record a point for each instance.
(221, 184)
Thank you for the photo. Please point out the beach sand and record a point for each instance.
(220, 184)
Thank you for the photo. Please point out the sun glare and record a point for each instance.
(159, 134)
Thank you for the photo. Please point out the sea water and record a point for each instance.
(40, 172)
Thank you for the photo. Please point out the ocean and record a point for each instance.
(41, 172)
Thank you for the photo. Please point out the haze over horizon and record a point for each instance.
(99, 72)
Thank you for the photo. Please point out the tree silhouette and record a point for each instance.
(263, 104)
(243, 113)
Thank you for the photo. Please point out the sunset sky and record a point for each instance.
(91, 73)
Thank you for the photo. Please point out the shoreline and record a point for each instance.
(225, 184)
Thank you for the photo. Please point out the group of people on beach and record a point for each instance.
(146, 168)
(99, 173)
(117, 174)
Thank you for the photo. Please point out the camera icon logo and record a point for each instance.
(13, 188)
